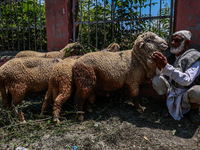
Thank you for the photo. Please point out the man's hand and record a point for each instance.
(159, 59)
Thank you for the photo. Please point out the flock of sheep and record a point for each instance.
(65, 71)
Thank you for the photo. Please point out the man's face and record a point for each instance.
(177, 44)
(177, 40)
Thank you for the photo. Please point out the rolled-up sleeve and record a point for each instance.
(181, 78)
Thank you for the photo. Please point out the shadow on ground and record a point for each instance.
(113, 124)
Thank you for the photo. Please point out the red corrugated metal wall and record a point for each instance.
(187, 16)
(59, 23)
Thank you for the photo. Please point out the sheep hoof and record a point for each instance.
(140, 110)
(81, 118)
(56, 120)
(24, 121)
(89, 110)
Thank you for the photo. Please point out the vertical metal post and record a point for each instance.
(11, 26)
(22, 15)
(104, 24)
(121, 20)
(160, 15)
(96, 27)
(7, 26)
(140, 7)
(171, 15)
(29, 37)
(131, 23)
(140, 1)
(17, 26)
(81, 22)
(113, 18)
(34, 25)
(74, 34)
(40, 27)
(88, 23)
(150, 16)
(2, 34)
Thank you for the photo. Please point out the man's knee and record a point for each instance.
(193, 95)
(160, 85)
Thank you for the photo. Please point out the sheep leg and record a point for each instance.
(85, 80)
(58, 102)
(90, 100)
(18, 92)
(79, 102)
(47, 100)
(138, 106)
(87, 106)
(18, 112)
(4, 96)
(80, 97)
(134, 95)
(9, 99)
(61, 93)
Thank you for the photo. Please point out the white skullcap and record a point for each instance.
(186, 34)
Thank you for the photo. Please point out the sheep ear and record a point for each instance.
(141, 44)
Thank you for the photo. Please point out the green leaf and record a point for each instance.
(174, 132)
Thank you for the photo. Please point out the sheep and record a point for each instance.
(30, 74)
(60, 86)
(69, 50)
(107, 71)
(24, 75)
(113, 47)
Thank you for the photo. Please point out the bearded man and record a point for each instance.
(182, 89)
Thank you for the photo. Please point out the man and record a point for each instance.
(182, 89)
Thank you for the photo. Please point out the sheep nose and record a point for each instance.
(164, 45)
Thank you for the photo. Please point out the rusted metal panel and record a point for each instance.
(4, 60)
(6, 56)
(59, 23)
(187, 16)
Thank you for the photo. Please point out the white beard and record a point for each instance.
(178, 49)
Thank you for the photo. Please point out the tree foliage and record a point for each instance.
(118, 21)
(22, 25)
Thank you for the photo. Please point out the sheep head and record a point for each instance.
(74, 49)
(113, 47)
(149, 42)
(144, 47)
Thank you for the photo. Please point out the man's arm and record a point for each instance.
(182, 78)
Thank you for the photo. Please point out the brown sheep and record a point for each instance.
(61, 84)
(40, 67)
(113, 47)
(23, 75)
(107, 71)
(69, 50)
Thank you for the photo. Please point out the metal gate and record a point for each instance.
(102, 22)
(22, 25)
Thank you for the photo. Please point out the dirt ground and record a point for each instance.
(114, 124)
